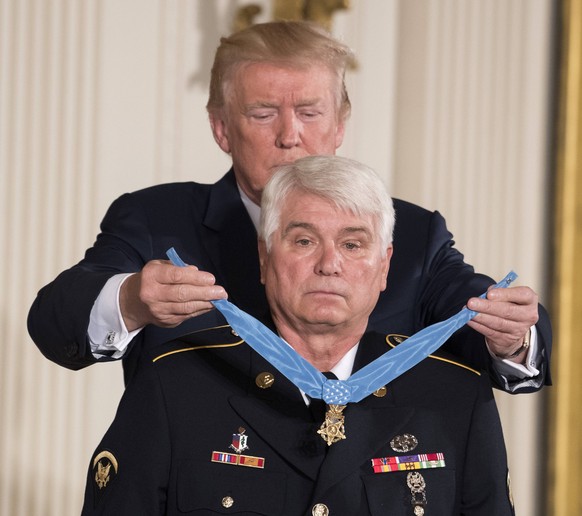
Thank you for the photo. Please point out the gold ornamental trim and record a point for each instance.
(565, 415)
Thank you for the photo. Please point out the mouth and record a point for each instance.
(325, 293)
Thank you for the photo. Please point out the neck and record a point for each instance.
(322, 349)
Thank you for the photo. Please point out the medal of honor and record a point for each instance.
(337, 394)
(333, 430)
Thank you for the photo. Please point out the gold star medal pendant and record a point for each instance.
(333, 429)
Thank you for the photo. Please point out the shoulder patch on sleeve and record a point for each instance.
(393, 339)
(104, 470)
(209, 338)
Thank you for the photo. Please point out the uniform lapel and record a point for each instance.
(370, 424)
(279, 416)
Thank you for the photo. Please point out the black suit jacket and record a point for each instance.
(209, 226)
(201, 390)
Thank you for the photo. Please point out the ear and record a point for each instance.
(263, 259)
(339, 133)
(219, 129)
(386, 266)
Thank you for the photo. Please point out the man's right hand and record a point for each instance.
(165, 295)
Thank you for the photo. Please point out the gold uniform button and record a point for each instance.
(227, 502)
(234, 333)
(265, 380)
(320, 509)
(381, 392)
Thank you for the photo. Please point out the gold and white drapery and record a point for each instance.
(49, 74)
(472, 135)
(565, 440)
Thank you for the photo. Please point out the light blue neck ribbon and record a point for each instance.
(376, 374)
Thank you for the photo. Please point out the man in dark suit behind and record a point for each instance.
(209, 426)
(277, 94)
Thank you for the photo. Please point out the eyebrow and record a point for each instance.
(268, 104)
(259, 105)
(356, 229)
(309, 102)
(294, 225)
(348, 230)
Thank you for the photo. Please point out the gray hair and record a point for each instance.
(347, 183)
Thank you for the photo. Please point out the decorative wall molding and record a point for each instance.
(318, 11)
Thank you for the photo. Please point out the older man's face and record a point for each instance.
(275, 115)
(326, 266)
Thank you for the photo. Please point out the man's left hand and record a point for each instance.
(505, 318)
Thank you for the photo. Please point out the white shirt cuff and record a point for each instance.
(528, 369)
(108, 335)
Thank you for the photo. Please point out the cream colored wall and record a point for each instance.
(472, 139)
(104, 96)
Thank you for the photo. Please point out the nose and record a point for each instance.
(288, 133)
(329, 261)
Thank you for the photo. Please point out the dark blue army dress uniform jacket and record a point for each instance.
(200, 432)
(209, 226)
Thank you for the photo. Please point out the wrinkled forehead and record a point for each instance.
(245, 72)
(318, 213)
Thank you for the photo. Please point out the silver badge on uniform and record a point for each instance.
(404, 443)
(417, 485)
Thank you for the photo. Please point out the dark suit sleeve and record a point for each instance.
(137, 450)
(59, 316)
(428, 272)
(461, 279)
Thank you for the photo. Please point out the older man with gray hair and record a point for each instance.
(211, 426)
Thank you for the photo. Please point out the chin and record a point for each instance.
(324, 319)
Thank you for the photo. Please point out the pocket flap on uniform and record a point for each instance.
(230, 489)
